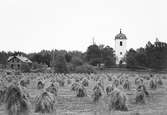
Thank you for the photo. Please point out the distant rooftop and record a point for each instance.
(20, 57)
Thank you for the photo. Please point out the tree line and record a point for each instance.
(63, 61)
(153, 56)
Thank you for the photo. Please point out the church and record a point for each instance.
(120, 47)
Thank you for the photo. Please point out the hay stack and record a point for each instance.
(109, 89)
(116, 83)
(16, 101)
(97, 93)
(53, 88)
(141, 93)
(85, 83)
(100, 85)
(24, 83)
(81, 91)
(61, 83)
(159, 81)
(153, 84)
(40, 85)
(45, 103)
(139, 81)
(121, 81)
(69, 81)
(126, 85)
(2, 94)
(117, 100)
(75, 86)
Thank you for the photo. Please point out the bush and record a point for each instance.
(76, 61)
(25, 68)
(86, 68)
(60, 64)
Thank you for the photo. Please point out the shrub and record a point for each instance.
(25, 68)
(60, 64)
(85, 68)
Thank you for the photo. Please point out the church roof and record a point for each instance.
(120, 35)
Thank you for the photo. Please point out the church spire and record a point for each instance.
(120, 30)
(93, 40)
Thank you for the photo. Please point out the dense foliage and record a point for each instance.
(153, 56)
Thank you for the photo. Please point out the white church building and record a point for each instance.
(120, 47)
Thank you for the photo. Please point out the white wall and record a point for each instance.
(119, 49)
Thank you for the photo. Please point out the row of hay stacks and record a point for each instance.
(14, 92)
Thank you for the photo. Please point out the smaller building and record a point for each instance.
(17, 62)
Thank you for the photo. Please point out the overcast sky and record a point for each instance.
(33, 25)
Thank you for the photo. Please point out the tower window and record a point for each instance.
(121, 43)
(120, 53)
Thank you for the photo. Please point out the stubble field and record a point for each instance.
(67, 103)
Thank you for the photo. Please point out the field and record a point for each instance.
(67, 103)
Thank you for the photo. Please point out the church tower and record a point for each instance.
(120, 47)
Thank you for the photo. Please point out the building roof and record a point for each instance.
(22, 58)
(120, 35)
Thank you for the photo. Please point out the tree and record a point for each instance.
(59, 64)
(93, 55)
(153, 56)
(108, 56)
(76, 61)
(131, 58)
(3, 58)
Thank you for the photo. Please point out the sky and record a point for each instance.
(34, 25)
